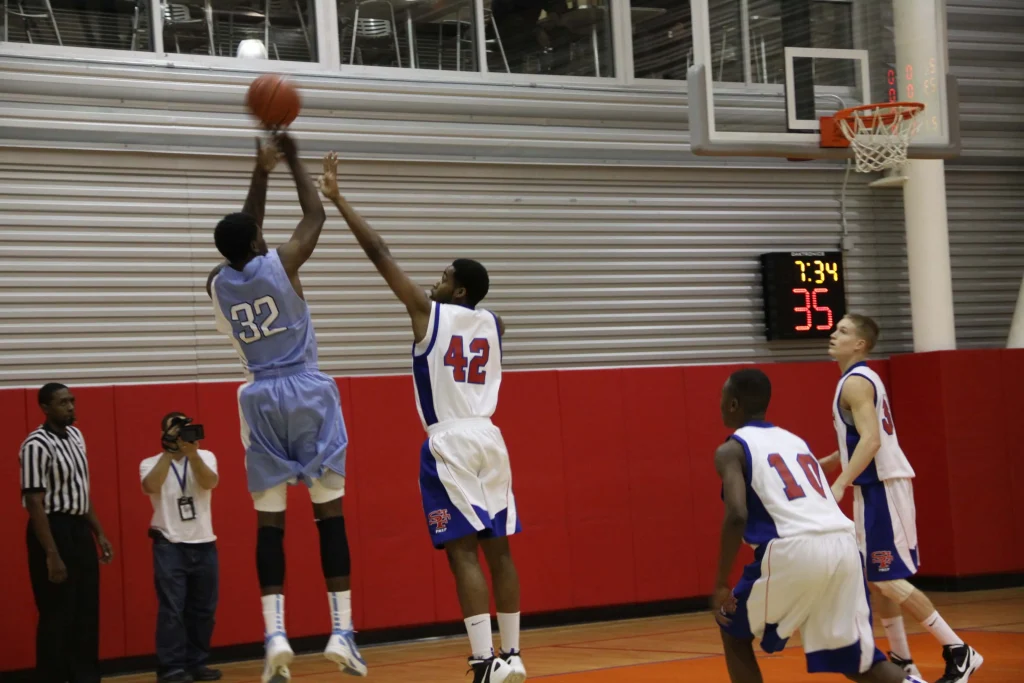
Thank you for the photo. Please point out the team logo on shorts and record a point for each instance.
(439, 519)
(883, 558)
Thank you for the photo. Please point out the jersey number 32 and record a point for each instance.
(246, 315)
(455, 358)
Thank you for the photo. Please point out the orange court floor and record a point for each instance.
(675, 648)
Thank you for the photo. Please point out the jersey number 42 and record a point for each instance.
(455, 358)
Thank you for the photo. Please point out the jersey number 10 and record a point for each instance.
(455, 359)
(810, 467)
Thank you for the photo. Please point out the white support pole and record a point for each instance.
(1016, 338)
(924, 194)
(931, 282)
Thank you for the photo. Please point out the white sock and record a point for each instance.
(273, 614)
(897, 636)
(938, 627)
(508, 626)
(341, 610)
(480, 639)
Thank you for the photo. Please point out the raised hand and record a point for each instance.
(267, 155)
(328, 182)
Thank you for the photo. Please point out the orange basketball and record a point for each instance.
(273, 100)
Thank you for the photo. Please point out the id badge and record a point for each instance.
(186, 509)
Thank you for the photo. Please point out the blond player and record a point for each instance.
(883, 506)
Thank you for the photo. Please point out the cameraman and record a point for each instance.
(184, 550)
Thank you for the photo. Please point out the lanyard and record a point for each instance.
(183, 479)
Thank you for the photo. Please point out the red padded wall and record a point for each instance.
(396, 558)
(614, 480)
(1011, 408)
(528, 415)
(597, 487)
(17, 634)
(977, 449)
(655, 455)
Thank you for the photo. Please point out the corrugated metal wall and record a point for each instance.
(985, 186)
(104, 258)
(636, 252)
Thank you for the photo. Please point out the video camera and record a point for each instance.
(188, 431)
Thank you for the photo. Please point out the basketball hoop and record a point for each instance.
(878, 133)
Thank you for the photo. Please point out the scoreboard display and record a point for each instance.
(804, 294)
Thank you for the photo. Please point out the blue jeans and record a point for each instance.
(186, 576)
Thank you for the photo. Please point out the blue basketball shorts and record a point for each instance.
(466, 482)
(886, 520)
(814, 584)
(292, 429)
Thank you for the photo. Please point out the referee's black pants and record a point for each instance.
(67, 637)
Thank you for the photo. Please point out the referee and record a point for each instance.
(61, 550)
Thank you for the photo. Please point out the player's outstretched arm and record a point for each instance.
(859, 394)
(299, 248)
(729, 459)
(414, 298)
(267, 156)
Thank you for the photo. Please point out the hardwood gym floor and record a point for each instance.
(674, 648)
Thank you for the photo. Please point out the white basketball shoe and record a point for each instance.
(515, 661)
(907, 665)
(492, 670)
(279, 655)
(341, 649)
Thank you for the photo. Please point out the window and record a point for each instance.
(410, 34)
(818, 23)
(663, 39)
(108, 24)
(556, 37)
(285, 29)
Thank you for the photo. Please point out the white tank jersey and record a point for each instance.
(890, 462)
(457, 367)
(787, 493)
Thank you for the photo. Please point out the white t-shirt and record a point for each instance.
(166, 515)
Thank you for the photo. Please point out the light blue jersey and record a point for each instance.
(267, 320)
(292, 425)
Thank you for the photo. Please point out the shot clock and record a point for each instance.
(804, 295)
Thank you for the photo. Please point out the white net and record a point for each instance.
(880, 135)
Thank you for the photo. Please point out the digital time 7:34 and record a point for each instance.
(803, 294)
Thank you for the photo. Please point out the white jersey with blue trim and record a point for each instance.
(889, 462)
(457, 365)
(787, 493)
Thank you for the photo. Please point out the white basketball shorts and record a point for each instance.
(814, 584)
(886, 520)
(466, 482)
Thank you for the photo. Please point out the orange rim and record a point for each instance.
(902, 109)
(831, 126)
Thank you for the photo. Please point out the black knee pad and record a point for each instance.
(270, 556)
(334, 557)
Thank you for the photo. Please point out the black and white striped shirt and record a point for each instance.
(57, 465)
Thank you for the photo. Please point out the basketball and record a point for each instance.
(273, 100)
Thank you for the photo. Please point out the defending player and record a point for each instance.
(883, 506)
(776, 500)
(292, 425)
(465, 477)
